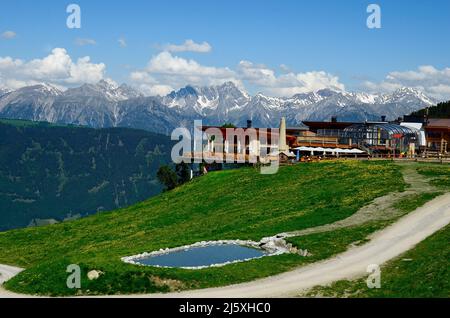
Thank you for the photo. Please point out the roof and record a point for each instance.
(417, 126)
(319, 144)
(438, 123)
(315, 125)
(268, 132)
(303, 128)
(224, 129)
(388, 127)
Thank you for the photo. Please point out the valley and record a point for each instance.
(50, 173)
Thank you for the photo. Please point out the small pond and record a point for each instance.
(203, 256)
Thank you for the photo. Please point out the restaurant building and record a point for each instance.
(437, 133)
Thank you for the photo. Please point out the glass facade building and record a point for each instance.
(383, 137)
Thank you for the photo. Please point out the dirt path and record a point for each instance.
(6, 272)
(381, 208)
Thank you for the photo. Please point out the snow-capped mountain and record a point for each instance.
(227, 103)
(208, 101)
(105, 89)
(31, 102)
(92, 105)
(107, 104)
(266, 111)
(363, 106)
(3, 91)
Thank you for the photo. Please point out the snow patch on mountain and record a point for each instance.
(3, 91)
(47, 89)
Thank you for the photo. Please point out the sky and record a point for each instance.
(279, 48)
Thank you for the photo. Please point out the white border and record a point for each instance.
(270, 251)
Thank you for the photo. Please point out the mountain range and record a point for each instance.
(107, 104)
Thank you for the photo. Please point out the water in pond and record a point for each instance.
(203, 256)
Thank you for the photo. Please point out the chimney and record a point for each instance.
(334, 119)
(282, 142)
(249, 123)
(383, 118)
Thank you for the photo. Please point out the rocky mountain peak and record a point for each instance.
(183, 92)
(107, 85)
(44, 88)
(409, 95)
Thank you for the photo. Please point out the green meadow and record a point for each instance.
(230, 204)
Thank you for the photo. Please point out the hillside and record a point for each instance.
(227, 204)
(52, 172)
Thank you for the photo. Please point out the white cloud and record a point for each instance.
(149, 85)
(189, 46)
(57, 68)
(122, 42)
(286, 84)
(165, 72)
(284, 68)
(83, 42)
(8, 35)
(166, 63)
(427, 78)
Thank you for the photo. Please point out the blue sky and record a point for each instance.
(319, 43)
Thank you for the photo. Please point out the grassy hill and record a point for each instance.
(232, 204)
(52, 172)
